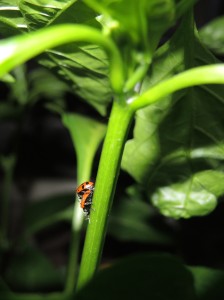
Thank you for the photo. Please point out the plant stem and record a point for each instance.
(213, 74)
(120, 120)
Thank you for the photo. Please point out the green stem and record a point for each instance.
(13, 51)
(213, 74)
(136, 77)
(120, 119)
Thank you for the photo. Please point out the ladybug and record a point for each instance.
(85, 194)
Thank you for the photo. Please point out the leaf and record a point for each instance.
(47, 212)
(194, 197)
(131, 21)
(182, 6)
(30, 270)
(208, 283)
(45, 85)
(11, 19)
(142, 276)
(86, 135)
(83, 67)
(85, 70)
(179, 138)
(8, 78)
(212, 35)
(133, 220)
(10, 110)
(39, 14)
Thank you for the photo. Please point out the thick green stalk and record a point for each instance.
(120, 119)
(16, 50)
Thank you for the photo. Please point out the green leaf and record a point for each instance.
(179, 137)
(133, 20)
(8, 78)
(39, 13)
(84, 67)
(182, 6)
(208, 283)
(85, 70)
(132, 220)
(212, 35)
(47, 212)
(86, 135)
(142, 276)
(195, 197)
(10, 111)
(45, 85)
(30, 270)
(11, 19)
(19, 88)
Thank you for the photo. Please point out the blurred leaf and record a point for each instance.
(10, 110)
(45, 85)
(86, 135)
(195, 197)
(47, 212)
(208, 283)
(7, 162)
(40, 13)
(212, 35)
(19, 88)
(131, 22)
(11, 19)
(132, 220)
(8, 78)
(178, 138)
(142, 277)
(182, 6)
(30, 270)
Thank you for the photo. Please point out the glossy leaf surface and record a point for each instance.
(179, 139)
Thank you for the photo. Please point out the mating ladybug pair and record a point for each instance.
(85, 196)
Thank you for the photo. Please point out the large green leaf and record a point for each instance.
(39, 13)
(213, 36)
(11, 19)
(179, 139)
(145, 276)
(84, 67)
(85, 70)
